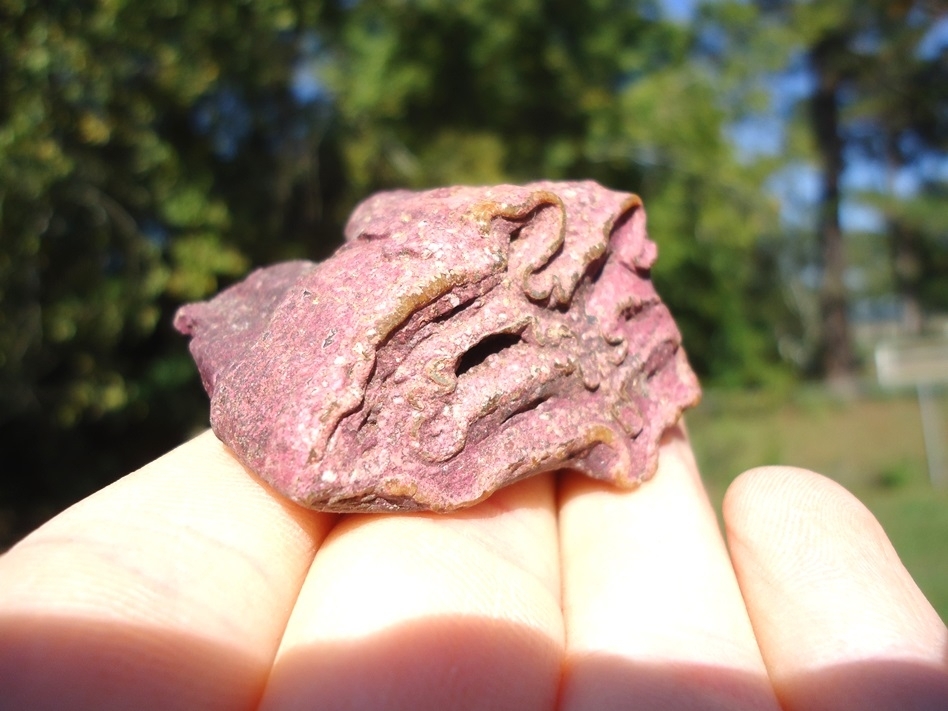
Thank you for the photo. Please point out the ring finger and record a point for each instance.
(654, 616)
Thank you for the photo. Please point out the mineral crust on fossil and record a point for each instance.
(462, 339)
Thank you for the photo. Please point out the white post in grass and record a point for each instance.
(922, 364)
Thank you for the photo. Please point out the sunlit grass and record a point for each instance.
(916, 520)
(871, 444)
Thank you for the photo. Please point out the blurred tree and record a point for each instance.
(872, 98)
(901, 114)
(114, 206)
(151, 152)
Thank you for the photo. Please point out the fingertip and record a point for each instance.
(825, 588)
(769, 481)
(769, 496)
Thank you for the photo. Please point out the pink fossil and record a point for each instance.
(462, 339)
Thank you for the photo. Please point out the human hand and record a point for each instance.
(190, 584)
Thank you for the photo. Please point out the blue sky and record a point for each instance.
(679, 9)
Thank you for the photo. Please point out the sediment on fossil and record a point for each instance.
(462, 339)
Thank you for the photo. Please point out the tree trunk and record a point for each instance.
(837, 350)
(904, 251)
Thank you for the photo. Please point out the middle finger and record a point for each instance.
(430, 611)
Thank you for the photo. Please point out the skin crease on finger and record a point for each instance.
(841, 623)
(168, 589)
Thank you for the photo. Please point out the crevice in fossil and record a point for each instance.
(483, 349)
(528, 406)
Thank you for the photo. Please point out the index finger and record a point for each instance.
(169, 589)
(654, 616)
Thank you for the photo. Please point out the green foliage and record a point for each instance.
(881, 120)
(112, 210)
(151, 152)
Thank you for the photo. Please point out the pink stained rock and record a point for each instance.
(462, 339)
